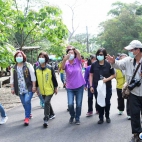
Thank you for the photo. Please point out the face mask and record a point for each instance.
(71, 57)
(131, 54)
(41, 60)
(19, 59)
(100, 58)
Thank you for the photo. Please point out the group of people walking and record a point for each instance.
(25, 80)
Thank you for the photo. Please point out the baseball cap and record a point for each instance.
(134, 44)
(123, 54)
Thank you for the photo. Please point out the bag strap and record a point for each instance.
(135, 72)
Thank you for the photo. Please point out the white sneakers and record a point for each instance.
(3, 120)
(120, 112)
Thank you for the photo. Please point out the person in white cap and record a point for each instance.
(129, 64)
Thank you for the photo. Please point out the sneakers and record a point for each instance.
(52, 116)
(3, 120)
(108, 120)
(26, 121)
(88, 114)
(71, 120)
(45, 124)
(100, 121)
(120, 112)
(77, 122)
(129, 117)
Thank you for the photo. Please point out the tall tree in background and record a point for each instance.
(80, 41)
(34, 25)
(123, 27)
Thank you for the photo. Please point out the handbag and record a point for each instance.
(125, 89)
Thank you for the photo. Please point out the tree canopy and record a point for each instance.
(123, 27)
(29, 27)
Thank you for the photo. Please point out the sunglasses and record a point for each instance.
(101, 54)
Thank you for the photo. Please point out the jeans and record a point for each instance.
(47, 106)
(62, 77)
(26, 101)
(78, 94)
(105, 109)
(90, 100)
(3, 114)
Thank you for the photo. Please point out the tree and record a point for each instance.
(123, 27)
(6, 50)
(80, 40)
(31, 26)
(6, 55)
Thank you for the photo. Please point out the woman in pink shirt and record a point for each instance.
(74, 82)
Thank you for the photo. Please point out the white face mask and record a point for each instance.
(41, 60)
(71, 57)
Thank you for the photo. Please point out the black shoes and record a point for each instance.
(100, 121)
(77, 122)
(108, 120)
(71, 120)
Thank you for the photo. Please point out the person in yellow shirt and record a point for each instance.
(120, 78)
(61, 72)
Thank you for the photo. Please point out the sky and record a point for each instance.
(87, 13)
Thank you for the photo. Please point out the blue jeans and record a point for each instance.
(62, 77)
(26, 101)
(78, 94)
(2, 111)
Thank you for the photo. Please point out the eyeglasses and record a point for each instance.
(101, 54)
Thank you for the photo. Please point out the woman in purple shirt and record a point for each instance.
(74, 82)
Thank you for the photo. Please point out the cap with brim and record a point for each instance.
(123, 54)
(133, 44)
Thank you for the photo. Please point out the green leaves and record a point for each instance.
(6, 55)
(121, 29)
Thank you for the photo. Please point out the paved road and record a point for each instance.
(59, 130)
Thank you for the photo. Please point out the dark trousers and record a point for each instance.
(121, 103)
(105, 109)
(47, 106)
(135, 107)
(90, 101)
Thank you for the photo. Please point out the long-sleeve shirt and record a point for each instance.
(86, 76)
(127, 64)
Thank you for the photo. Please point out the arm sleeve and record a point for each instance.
(91, 69)
(11, 77)
(121, 64)
(112, 71)
(54, 80)
(86, 77)
(36, 79)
